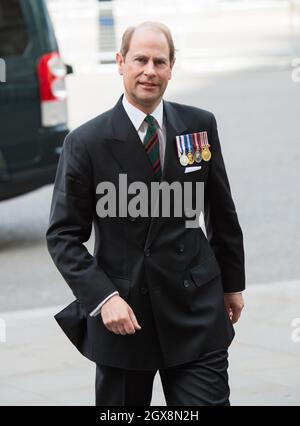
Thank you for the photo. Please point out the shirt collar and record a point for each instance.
(137, 116)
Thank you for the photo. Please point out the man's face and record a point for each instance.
(146, 69)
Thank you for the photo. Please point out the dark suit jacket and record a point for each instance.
(172, 277)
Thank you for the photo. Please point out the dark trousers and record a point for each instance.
(198, 383)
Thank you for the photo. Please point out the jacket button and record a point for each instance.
(147, 253)
(181, 248)
(144, 290)
(186, 283)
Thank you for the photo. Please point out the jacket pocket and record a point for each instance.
(206, 271)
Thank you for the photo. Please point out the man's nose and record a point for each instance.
(149, 69)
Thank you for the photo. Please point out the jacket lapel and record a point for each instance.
(174, 126)
(125, 145)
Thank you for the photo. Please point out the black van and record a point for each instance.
(33, 99)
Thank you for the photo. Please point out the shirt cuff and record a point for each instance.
(234, 292)
(97, 310)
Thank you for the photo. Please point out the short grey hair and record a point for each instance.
(156, 26)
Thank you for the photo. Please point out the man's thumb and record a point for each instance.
(134, 320)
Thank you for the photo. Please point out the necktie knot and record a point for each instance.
(150, 120)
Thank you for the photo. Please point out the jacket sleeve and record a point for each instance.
(223, 229)
(71, 217)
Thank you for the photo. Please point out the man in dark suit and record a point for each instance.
(155, 295)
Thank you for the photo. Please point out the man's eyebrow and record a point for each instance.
(158, 58)
(161, 58)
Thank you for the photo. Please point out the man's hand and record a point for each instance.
(234, 304)
(118, 317)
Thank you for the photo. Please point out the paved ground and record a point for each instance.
(40, 367)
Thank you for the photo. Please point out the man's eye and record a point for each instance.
(160, 63)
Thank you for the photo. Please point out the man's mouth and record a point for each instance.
(147, 85)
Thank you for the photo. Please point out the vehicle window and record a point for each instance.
(13, 34)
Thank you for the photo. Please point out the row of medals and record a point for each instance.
(197, 157)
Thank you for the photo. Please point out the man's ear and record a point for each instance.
(120, 62)
(171, 66)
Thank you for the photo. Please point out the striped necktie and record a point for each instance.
(151, 144)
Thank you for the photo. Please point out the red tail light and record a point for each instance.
(51, 73)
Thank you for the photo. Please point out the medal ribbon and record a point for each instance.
(195, 137)
(206, 140)
(186, 143)
(180, 145)
(190, 142)
(202, 141)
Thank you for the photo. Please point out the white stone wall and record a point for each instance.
(209, 35)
